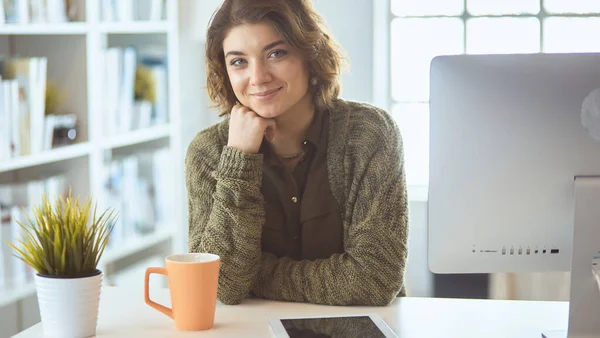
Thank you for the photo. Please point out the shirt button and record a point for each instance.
(294, 199)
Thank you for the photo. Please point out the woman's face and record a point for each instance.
(266, 74)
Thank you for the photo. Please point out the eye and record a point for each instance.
(278, 53)
(237, 62)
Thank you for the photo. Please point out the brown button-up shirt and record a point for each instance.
(303, 220)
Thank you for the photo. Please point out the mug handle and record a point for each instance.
(163, 309)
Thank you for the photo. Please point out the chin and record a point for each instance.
(269, 111)
(269, 114)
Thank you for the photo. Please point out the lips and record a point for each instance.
(266, 93)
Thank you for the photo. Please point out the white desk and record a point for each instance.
(123, 313)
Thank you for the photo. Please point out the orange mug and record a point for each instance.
(193, 280)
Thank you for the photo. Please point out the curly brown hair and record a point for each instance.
(299, 26)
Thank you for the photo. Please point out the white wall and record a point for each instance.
(351, 24)
(419, 280)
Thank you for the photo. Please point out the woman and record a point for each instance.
(301, 194)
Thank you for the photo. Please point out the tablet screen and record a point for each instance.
(349, 327)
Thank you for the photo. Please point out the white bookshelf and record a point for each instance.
(137, 137)
(70, 28)
(47, 157)
(74, 51)
(135, 27)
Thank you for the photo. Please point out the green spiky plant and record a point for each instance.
(58, 240)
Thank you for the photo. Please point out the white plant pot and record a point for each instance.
(69, 306)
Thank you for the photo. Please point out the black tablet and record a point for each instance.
(367, 325)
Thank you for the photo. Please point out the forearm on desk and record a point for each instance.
(338, 280)
(226, 217)
(370, 272)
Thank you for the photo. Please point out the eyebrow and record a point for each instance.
(269, 46)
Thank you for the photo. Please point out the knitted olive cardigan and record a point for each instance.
(366, 174)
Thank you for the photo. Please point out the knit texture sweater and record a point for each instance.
(366, 173)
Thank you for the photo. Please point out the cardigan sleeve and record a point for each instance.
(226, 213)
(371, 269)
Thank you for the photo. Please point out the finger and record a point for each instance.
(240, 108)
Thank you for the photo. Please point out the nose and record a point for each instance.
(260, 74)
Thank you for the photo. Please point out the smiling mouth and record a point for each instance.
(267, 93)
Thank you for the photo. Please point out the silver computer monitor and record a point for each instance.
(507, 145)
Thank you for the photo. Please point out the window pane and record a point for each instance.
(503, 35)
(414, 43)
(496, 7)
(572, 6)
(413, 120)
(427, 7)
(571, 35)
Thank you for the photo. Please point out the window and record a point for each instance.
(419, 30)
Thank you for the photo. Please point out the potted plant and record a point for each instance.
(63, 243)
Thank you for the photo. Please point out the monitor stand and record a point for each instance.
(584, 298)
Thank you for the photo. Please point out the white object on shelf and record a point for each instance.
(2, 14)
(50, 156)
(156, 9)
(56, 11)
(22, 11)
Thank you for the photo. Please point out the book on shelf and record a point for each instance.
(25, 126)
(138, 186)
(23, 105)
(2, 21)
(5, 254)
(9, 119)
(34, 11)
(135, 88)
(12, 270)
(133, 10)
